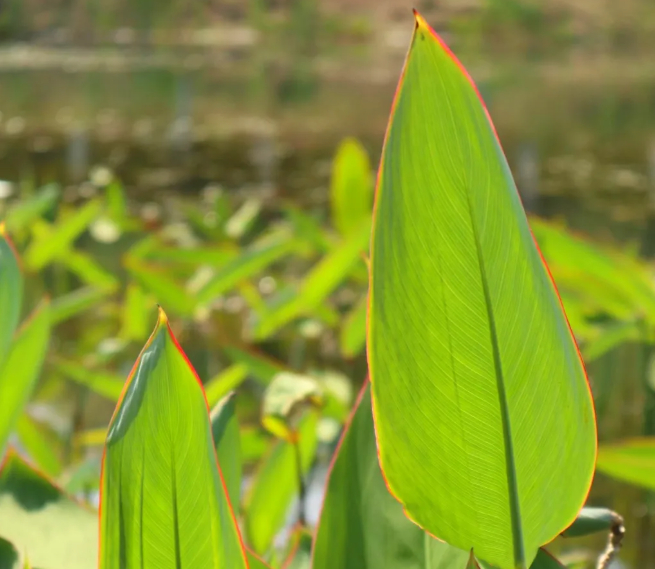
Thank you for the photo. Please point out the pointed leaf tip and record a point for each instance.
(420, 20)
(162, 319)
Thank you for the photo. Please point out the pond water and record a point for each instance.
(578, 131)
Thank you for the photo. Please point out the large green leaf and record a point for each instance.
(164, 503)
(362, 526)
(225, 430)
(21, 369)
(276, 484)
(11, 292)
(351, 187)
(483, 414)
(632, 461)
(55, 531)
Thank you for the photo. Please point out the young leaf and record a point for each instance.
(38, 518)
(351, 187)
(11, 292)
(631, 461)
(225, 430)
(276, 484)
(164, 503)
(483, 414)
(21, 369)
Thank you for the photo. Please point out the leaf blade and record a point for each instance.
(458, 290)
(159, 452)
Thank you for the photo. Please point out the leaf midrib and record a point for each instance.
(510, 467)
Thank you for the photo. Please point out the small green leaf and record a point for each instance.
(227, 380)
(631, 461)
(25, 212)
(593, 520)
(11, 292)
(21, 369)
(319, 283)
(73, 303)
(54, 530)
(249, 263)
(163, 503)
(351, 188)
(276, 484)
(40, 444)
(108, 385)
(353, 330)
(260, 366)
(87, 269)
(165, 289)
(57, 241)
(225, 430)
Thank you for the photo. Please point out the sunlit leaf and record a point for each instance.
(255, 562)
(225, 430)
(228, 379)
(260, 366)
(21, 369)
(53, 530)
(88, 270)
(631, 461)
(11, 293)
(40, 444)
(483, 414)
(108, 385)
(353, 330)
(320, 282)
(611, 336)
(164, 503)
(249, 263)
(616, 282)
(166, 290)
(137, 309)
(73, 303)
(351, 187)
(57, 241)
(22, 214)
(276, 484)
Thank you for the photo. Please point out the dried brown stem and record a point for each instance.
(614, 542)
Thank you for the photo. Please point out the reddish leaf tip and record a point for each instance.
(420, 20)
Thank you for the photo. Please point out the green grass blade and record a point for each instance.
(25, 212)
(352, 338)
(228, 379)
(21, 369)
(164, 503)
(477, 383)
(351, 186)
(631, 461)
(55, 531)
(225, 430)
(11, 292)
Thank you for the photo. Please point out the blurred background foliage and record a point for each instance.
(218, 157)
